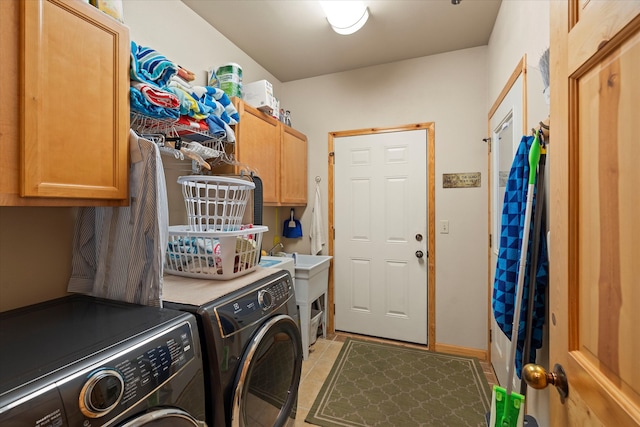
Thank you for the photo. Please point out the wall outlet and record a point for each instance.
(444, 226)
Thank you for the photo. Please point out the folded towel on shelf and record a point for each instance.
(230, 137)
(200, 93)
(216, 126)
(180, 82)
(211, 97)
(157, 96)
(149, 66)
(196, 125)
(189, 105)
(220, 96)
(138, 102)
(197, 130)
(217, 95)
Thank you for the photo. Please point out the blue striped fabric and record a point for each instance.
(138, 102)
(190, 105)
(149, 66)
(231, 113)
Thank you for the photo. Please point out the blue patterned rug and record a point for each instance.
(378, 384)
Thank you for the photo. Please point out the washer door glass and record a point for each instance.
(167, 417)
(266, 387)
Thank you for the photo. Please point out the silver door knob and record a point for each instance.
(419, 254)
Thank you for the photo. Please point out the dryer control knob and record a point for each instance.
(101, 393)
(265, 299)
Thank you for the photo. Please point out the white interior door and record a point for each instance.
(380, 222)
(506, 132)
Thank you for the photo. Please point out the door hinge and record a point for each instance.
(332, 156)
(490, 335)
(490, 240)
(334, 234)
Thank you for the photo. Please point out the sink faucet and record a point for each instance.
(279, 244)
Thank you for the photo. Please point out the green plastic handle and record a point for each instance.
(534, 158)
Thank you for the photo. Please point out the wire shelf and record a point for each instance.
(143, 124)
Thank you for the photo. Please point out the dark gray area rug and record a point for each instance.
(378, 384)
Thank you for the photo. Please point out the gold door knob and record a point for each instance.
(537, 377)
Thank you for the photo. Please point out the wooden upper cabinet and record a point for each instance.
(293, 166)
(276, 152)
(65, 116)
(258, 147)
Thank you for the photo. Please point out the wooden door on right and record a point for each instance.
(594, 157)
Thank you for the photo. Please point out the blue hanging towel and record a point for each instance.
(506, 277)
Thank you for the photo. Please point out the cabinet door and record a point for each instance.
(74, 102)
(258, 147)
(293, 179)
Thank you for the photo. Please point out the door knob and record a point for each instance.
(537, 377)
(419, 254)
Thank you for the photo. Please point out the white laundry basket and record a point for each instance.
(215, 255)
(215, 203)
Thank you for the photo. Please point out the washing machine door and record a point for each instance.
(164, 417)
(266, 387)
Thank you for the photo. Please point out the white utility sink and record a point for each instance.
(284, 263)
(308, 266)
(311, 281)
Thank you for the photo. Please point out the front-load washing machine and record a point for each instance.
(251, 343)
(87, 362)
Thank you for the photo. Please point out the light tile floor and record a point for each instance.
(322, 356)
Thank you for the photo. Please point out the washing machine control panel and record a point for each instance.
(123, 380)
(235, 315)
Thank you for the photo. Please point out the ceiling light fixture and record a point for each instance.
(345, 17)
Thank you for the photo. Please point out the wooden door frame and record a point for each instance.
(431, 258)
(519, 70)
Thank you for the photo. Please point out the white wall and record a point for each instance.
(450, 90)
(522, 28)
(178, 33)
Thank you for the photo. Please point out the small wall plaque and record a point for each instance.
(461, 180)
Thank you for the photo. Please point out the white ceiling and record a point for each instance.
(293, 40)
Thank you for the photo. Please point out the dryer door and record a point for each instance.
(165, 417)
(266, 387)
